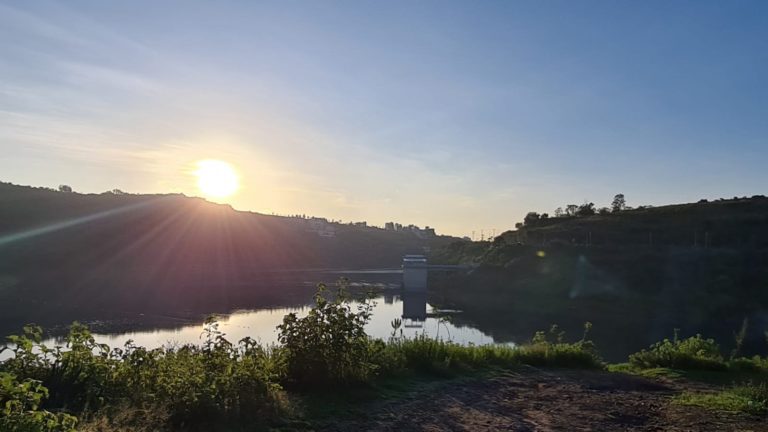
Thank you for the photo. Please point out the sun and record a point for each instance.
(216, 179)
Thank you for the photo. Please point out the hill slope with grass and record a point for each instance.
(700, 267)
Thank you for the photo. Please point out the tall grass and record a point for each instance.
(424, 354)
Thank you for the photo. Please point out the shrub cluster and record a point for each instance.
(691, 353)
(193, 384)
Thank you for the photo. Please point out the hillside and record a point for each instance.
(732, 223)
(699, 267)
(94, 253)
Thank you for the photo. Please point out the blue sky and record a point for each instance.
(459, 115)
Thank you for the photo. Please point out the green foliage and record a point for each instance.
(550, 349)
(751, 364)
(20, 411)
(329, 345)
(427, 355)
(691, 353)
(193, 384)
(749, 398)
(424, 354)
(216, 381)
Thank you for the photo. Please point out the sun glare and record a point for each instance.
(216, 179)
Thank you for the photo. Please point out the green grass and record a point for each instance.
(652, 373)
(748, 398)
(427, 355)
(722, 377)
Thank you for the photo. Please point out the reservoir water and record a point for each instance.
(256, 308)
(389, 303)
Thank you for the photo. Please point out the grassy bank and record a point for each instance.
(224, 385)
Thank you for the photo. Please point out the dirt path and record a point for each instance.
(546, 400)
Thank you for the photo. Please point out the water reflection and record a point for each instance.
(416, 312)
(414, 306)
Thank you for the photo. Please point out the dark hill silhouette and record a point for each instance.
(731, 223)
(157, 253)
(700, 267)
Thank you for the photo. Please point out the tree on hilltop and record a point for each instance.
(586, 209)
(531, 218)
(619, 203)
(571, 209)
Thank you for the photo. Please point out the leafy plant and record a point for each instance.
(329, 345)
(20, 411)
(692, 353)
(192, 384)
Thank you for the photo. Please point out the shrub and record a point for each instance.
(550, 349)
(20, 407)
(753, 364)
(329, 345)
(218, 380)
(694, 353)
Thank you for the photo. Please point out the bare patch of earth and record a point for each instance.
(531, 399)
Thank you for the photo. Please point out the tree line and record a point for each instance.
(618, 204)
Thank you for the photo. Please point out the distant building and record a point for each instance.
(321, 227)
(425, 233)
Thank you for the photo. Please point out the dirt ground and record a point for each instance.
(546, 400)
